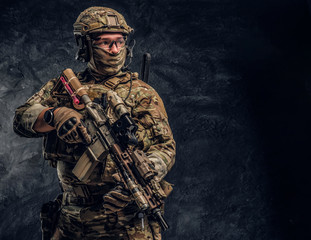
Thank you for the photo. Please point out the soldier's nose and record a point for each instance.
(114, 49)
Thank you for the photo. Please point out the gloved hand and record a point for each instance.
(68, 125)
(118, 198)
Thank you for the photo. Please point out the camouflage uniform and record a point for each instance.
(82, 215)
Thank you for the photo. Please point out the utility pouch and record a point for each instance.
(49, 215)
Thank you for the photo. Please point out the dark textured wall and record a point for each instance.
(235, 79)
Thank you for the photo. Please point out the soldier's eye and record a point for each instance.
(120, 43)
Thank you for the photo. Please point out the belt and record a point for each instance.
(82, 201)
(86, 190)
(84, 194)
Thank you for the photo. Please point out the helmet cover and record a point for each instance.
(101, 20)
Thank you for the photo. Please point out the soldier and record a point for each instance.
(100, 208)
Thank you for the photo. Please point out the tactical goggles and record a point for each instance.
(107, 44)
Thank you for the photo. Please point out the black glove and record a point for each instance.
(69, 126)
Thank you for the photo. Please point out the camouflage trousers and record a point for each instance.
(77, 223)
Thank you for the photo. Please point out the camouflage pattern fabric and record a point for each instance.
(101, 19)
(78, 221)
(92, 223)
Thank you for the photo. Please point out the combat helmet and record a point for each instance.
(96, 20)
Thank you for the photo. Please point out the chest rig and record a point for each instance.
(55, 149)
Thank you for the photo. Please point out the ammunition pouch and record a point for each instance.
(49, 215)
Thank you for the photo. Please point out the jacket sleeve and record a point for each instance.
(27, 114)
(154, 133)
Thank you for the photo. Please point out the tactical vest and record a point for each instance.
(63, 155)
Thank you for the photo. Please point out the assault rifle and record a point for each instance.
(117, 139)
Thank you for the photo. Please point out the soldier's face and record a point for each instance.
(110, 42)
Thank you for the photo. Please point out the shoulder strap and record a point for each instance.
(112, 83)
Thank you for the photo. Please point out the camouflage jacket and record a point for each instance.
(154, 134)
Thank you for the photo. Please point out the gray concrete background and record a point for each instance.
(234, 77)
